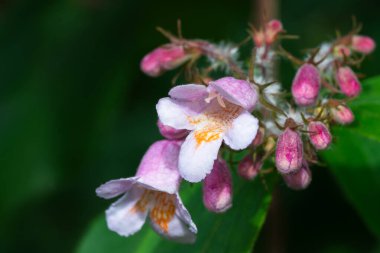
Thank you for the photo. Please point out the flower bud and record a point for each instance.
(258, 38)
(217, 188)
(248, 169)
(171, 133)
(272, 29)
(299, 180)
(162, 59)
(319, 135)
(306, 85)
(342, 114)
(348, 82)
(363, 44)
(341, 51)
(289, 152)
(259, 139)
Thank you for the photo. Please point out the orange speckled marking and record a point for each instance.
(163, 211)
(208, 134)
(141, 205)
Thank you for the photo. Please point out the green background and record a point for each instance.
(75, 111)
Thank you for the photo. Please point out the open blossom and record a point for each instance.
(319, 135)
(153, 191)
(363, 44)
(306, 85)
(217, 188)
(342, 114)
(164, 58)
(217, 113)
(348, 82)
(299, 180)
(289, 152)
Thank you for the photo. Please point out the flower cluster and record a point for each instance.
(247, 109)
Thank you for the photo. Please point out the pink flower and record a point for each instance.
(289, 152)
(164, 58)
(248, 169)
(153, 191)
(319, 135)
(299, 180)
(363, 44)
(342, 114)
(220, 112)
(170, 132)
(348, 82)
(306, 85)
(217, 188)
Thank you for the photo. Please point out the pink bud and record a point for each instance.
(348, 82)
(363, 44)
(289, 152)
(162, 59)
(258, 38)
(306, 85)
(319, 135)
(259, 139)
(248, 169)
(272, 29)
(342, 114)
(170, 132)
(217, 188)
(299, 180)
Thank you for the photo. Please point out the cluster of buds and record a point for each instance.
(244, 111)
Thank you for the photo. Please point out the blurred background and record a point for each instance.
(75, 111)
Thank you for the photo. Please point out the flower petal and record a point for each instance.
(167, 221)
(116, 187)
(189, 92)
(158, 169)
(123, 217)
(178, 114)
(242, 132)
(198, 153)
(236, 91)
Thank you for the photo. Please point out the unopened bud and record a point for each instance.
(306, 85)
(272, 29)
(259, 139)
(299, 180)
(170, 132)
(342, 114)
(363, 44)
(259, 38)
(289, 152)
(217, 188)
(162, 59)
(248, 169)
(348, 82)
(319, 135)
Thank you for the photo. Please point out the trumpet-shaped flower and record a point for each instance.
(213, 114)
(154, 192)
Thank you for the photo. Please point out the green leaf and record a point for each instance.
(355, 159)
(234, 231)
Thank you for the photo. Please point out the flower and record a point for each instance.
(319, 135)
(363, 44)
(163, 58)
(217, 188)
(299, 180)
(220, 112)
(289, 152)
(153, 190)
(306, 85)
(348, 82)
